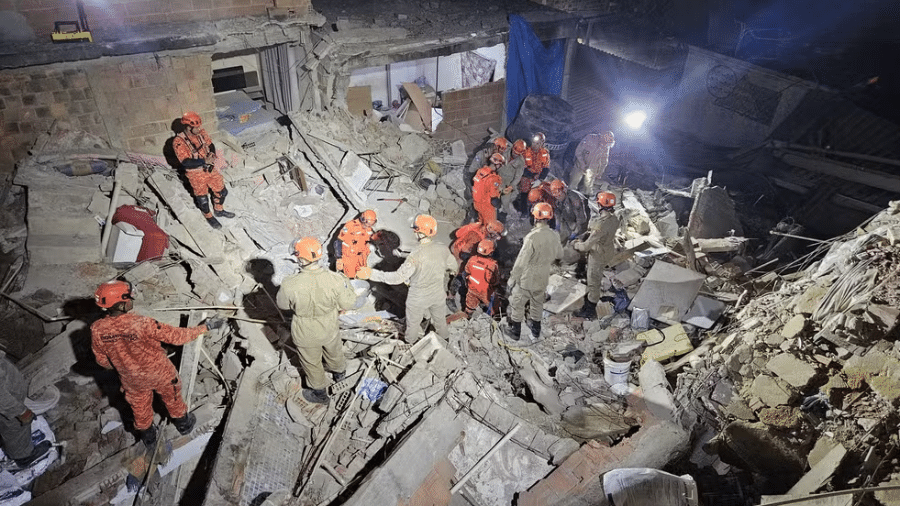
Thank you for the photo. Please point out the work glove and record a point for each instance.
(214, 322)
(26, 417)
(574, 235)
(456, 284)
(364, 273)
(339, 264)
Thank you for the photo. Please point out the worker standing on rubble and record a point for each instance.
(591, 159)
(482, 276)
(600, 247)
(15, 418)
(569, 210)
(537, 164)
(425, 271)
(468, 237)
(197, 154)
(352, 246)
(131, 344)
(510, 175)
(316, 296)
(531, 273)
(486, 189)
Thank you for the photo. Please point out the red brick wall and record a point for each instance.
(469, 113)
(108, 17)
(131, 101)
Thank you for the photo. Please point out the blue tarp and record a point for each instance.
(531, 67)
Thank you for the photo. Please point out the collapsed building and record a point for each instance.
(747, 345)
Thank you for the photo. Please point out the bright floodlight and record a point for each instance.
(635, 119)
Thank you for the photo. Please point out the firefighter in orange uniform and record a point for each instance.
(468, 237)
(352, 246)
(541, 193)
(482, 278)
(197, 154)
(537, 163)
(131, 344)
(486, 188)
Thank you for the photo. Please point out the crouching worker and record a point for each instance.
(316, 296)
(131, 344)
(482, 278)
(15, 418)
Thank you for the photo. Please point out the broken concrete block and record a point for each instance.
(793, 327)
(819, 474)
(561, 449)
(807, 302)
(769, 391)
(413, 147)
(791, 369)
(389, 399)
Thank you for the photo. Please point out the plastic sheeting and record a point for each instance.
(531, 67)
(649, 487)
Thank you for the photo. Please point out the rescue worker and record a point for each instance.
(468, 237)
(425, 270)
(352, 246)
(316, 296)
(16, 418)
(131, 344)
(486, 189)
(570, 210)
(482, 278)
(537, 162)
(497, 145)
(600, 247)
(591, 159)
(510, 175)
(197, 154)
(540, 193)
(531, 273)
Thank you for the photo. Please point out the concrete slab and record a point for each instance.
(791, 369)
(819, 474)
(793, 327)
(713, 215)
(769, 391)
(704, 312)
(668, 289)
(565, 294)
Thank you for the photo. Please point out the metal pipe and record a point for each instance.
(107, 229)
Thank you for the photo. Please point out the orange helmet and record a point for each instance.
(535, 195)
(501, 143)
(485, 247)
(494, 227)
(519, 147)
(308, 249)
(498, 159)
(426, 225)
(368, 218)
(111, 293)
(608, 137)
(558, 188)
(606, 199)
(542, 211)
(191, 119)
(539, 139)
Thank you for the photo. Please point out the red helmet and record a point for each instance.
(542, 211)
(608, 137)
(494, 227)
(501, 143)
(558, 188)
(308, 249)
(191, 119)
(112, 292)
(539, 139)
(368, 218)
(485, 247)
(519, 147)
(606, 199)
(498, 159)
(426, 225)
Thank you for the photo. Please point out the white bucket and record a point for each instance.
(615, 373)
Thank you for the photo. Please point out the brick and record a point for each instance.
(143, 8)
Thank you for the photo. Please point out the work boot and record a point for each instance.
(40, 450)
(213, 222)
(588, 311)
(338, 376)
(316, 396)
(513, 330)
(185, 424)
(535, 327)
(148, 436)
(224, 214)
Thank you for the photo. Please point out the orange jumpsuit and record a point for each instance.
(467, 239)
(535, 163)
(481, 280)
(485, 186)
(354, 237)
(544, 195)
(202, 179)
(130, 344)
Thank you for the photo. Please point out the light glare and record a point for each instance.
(635, 119)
